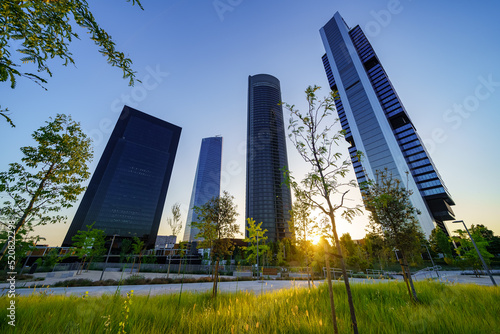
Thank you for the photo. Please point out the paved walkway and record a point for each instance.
(154, 289)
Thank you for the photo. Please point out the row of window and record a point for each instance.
(382, 90)
(421, 155)
(377, 74)
(423, 170)
(428, 192)
(408, 139)
(410, 145)
(424, 177)
(413, 151)
(389, 94)
(388, 99)
(407, 132)
(403, 128)
(419, 163)
(393, 109)
(364, 48)
(429, 184)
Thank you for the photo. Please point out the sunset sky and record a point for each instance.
(194, 58)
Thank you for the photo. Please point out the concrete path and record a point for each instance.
(256, 287)
(27, 288)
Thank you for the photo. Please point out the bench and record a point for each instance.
(269, 272)
(242, 273)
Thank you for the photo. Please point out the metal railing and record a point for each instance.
(336, 272)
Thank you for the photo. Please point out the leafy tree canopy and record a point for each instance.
(217, 224)
(393, 216)
(440, 243)
(466, 251)
(34, 31)
(174, 222)
(49, 176)
(89, 243)
(256, 235)
(391, 212)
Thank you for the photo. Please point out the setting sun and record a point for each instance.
(315, 239)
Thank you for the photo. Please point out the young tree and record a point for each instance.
(217, 225)
(324, 186)
(354, 255)
(175, 225)
(280, 253)
(183, 247)
(125, 249)
(467, 252)
(44, 30)
(440, 243)
(137, 248)
(257, 242)
(302, 227)
(89, 244)
(22, 244)
(377, 249)
(488, 235)
(49, 176)
(394, 217)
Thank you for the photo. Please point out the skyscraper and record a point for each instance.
(377, 124)
(206, 182)
(127, 192)
(268, 199)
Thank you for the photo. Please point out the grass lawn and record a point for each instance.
(380, 308)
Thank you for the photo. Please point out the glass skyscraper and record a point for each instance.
(206, 182)
(377, 124)
(127, 191)
(268, 199)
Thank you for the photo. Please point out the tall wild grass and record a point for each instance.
(381, 308)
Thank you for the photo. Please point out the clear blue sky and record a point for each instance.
(437, 55)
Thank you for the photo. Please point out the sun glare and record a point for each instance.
(315, 239)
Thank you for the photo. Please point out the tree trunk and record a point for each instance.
(22, 220)
(308, 277)
(169, 260)
(346, 278)
(330, 290)
(216, 278)
(139, 267)
(312, 275)
(403, 270)
(180, 264)
(89, 263)
(133, 263)
(407, 268)
(81, 267)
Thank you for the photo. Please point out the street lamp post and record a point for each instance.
(258, 270)
(478, 253)
(432, 261)
(107, 257)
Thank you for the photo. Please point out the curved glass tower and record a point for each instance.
(206, 182)
(377, 124)
(268, 199)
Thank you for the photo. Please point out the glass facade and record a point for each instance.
(127, 191)
(268, 199)
(376, 122)
(206, 182)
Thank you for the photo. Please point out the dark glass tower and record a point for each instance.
(377, 124)
(268, 199)
(127, 191)
(206, 182)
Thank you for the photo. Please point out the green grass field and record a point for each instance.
(381, 308)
